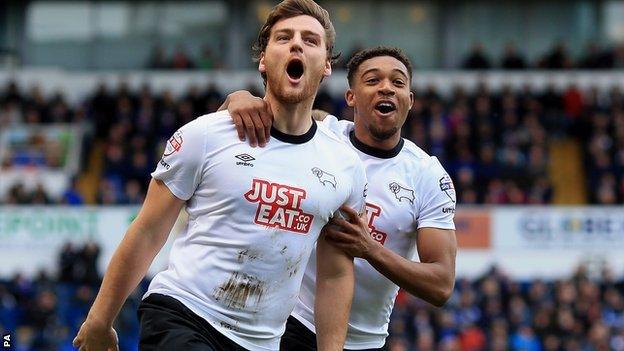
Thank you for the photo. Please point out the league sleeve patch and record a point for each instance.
(446, 185)
(174, 144)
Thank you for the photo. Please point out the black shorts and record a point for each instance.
(166, 324)
(298, 337)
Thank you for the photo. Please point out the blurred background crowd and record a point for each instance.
(497, 146)
(522, 102)
(558, 57)
(491, 312)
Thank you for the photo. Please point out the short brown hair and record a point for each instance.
(367, 54)
(293, 8)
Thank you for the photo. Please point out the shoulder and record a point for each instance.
(212, 127)
(338, 145)
(425, 165)
(219, 120)
(413, 152)
(341, 128)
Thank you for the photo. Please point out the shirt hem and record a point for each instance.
(350, 346)
(438, 225)
(214, 322)
(173, 188)
(364, 346)
(305, 322)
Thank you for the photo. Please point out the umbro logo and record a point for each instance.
(244, 160)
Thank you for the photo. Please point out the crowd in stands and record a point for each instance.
(45, 312)
(558, 57)
(491, 312)
(497, 313)
(495, 145)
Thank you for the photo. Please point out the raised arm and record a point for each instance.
(334, 293)
(145, 237)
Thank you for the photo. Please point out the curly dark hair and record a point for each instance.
(367, 54)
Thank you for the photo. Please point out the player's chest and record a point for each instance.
(391, 207)
(289, 184)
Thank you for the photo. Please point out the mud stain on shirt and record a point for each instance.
(248, 254)
(292, 265)
(240, 290)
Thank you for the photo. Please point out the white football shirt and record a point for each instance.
(407, 190)
(254, 217)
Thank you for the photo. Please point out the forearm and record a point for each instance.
(331, 315)
(334, 292)
(432, 282)
(126, 269)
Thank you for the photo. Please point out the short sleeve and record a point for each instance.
(181, 164)
(437, 204)
(342, 128)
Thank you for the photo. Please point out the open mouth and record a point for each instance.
(385, 107)
(295, 69)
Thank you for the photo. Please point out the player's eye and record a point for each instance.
(372, 80)
(312, 40)
(399, 83)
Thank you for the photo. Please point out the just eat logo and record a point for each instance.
(279, 206)
(372, 212)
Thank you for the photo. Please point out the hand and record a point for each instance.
(351, 235)
(252, 116)
(94, 336)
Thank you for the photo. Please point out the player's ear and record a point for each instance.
(328, 68)
(411, 100)
(350, 98)
(261, 66)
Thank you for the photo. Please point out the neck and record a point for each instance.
(293, 119)
(364, 135)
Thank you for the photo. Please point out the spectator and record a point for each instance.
(573, 102)
(72, 195)
(12, 94)
(67, 263)
(616, 56)
(39, 196)
(17, 195)
(87, 264)
(207, 60)
(477, 58)
(593, 57)
(512, 60)
(157, 59)
(525, 339)
(181, 60)
(557, 58)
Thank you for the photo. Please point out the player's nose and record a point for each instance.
(296, 44)
(386, 87)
